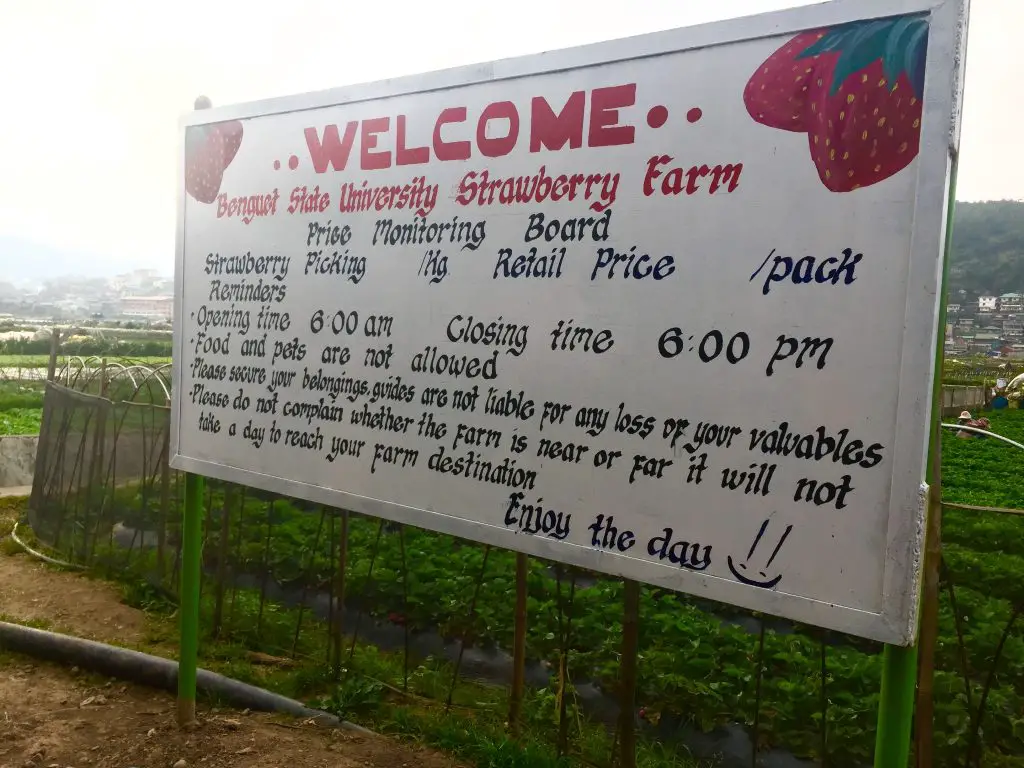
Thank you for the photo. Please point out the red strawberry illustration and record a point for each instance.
(209, 150)
(778, 95)
(856, 90)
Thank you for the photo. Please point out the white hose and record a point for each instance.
(976, 430)
(40, 555)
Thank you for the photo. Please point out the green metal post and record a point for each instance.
(896, 707)
(191, 571)
(191, 544)
(899, 667)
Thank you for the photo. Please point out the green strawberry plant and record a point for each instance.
(692, 666)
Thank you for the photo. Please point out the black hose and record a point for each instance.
(153, 671)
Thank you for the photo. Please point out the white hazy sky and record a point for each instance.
(93, 89)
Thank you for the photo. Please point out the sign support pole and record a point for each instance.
(191, 545)
(896, 707)
(899, 669)
(191, 574)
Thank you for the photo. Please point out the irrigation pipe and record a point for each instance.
(153, 671)
(976, 508)
(985, 432)
(40, 555)
(145, 669)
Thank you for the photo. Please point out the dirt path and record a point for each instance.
(31, 591)
(51, 717)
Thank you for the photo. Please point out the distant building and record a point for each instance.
(149, 307)
(1011, 303)
(953, 309)
(988, 303)
(985, 342)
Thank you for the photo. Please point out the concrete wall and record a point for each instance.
(957, 398)
(17, 459)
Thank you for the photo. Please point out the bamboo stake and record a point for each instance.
(628, 675)
(515, 707)
(339, 591)
(222, 558)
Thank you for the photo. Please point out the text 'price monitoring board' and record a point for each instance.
(662, 307)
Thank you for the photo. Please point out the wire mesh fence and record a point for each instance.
(423, 619)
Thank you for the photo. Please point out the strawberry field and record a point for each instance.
(711, 679)
(21, 407)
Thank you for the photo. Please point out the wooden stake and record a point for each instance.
(99, 440)
(51, 368)
(165, 506)
(265, 567)
(332, 583)
(563, 665)
(929, 628)
(627, 674)
(222, 557)
(469, 629)
(515, 706)
(405, 609)
(339, 592)
(306, 581)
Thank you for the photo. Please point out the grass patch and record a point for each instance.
(21, 421)
(10, 511)
(44, 624)
(21, 407)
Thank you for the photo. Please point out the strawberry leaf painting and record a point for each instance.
(856, 90)
(209, 150)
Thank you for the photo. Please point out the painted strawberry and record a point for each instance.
(209, 150)
(779, 94)
(856, 90)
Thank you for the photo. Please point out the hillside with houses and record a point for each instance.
(985, 310)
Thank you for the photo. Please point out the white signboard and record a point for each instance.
(662, 307)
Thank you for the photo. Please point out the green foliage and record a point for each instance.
(41, 361)
(694, 667)
(355, 696)
(979, 371)
(21, 407)
(20, 421)
(378, 692)
(984, 556)
(21, 394)
(94, 345)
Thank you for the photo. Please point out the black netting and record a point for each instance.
(102, 486)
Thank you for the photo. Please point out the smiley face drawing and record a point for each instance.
(745, 575)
